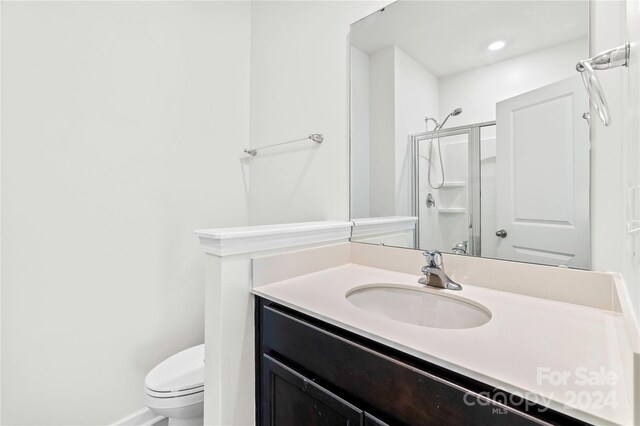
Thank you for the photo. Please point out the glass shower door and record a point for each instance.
(444, 177)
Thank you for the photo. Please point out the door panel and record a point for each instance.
(542, 166)
(293, 400)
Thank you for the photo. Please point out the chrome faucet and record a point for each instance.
(434, 274)
(460, 247)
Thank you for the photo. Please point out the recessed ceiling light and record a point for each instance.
(496, 45)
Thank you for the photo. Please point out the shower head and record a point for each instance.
(453, 113)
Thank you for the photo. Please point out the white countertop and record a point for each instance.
(525, 334)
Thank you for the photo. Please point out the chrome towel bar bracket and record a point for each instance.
(612, 58)
(315, 137)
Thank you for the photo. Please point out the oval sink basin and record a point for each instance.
(420, 307)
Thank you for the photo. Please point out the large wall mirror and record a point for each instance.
(470, 123)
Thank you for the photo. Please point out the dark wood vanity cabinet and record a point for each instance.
(295, 400)
(312, 373)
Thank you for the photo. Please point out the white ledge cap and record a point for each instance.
(385, 219)
(248, 239)
(383, 225)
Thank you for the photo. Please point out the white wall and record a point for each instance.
(615, 149)
(607, 184)
(300, 84)
(360, 136)
(123, 124)
(401, 94)
(631, 90)
(416, 97)
(476, 91)
(382, 171)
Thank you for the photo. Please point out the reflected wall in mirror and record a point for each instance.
(468, 129)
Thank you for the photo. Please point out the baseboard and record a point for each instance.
(142, 417)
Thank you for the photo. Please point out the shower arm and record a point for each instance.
(435, 122)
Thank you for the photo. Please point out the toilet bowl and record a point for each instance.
(175, 388)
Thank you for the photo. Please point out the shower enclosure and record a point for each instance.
(449, 211)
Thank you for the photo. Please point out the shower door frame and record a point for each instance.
(473, 183)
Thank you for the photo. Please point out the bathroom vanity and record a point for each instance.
(348, 336)
(310, 372)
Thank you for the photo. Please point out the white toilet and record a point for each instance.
(175, 388)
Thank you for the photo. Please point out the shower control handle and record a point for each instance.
(502, 233)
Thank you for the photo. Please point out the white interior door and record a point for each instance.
(542, 171)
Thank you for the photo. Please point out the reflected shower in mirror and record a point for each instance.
(467, 129)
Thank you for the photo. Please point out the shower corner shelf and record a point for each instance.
(454, 184)
(452, 210)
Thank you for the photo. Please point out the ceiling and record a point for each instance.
(447, 37)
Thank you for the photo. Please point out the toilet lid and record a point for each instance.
(184, 370)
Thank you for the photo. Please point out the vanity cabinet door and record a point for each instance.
(369, 420)
(290, 399)
(394, 387)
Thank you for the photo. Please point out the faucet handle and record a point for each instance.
(434, 258)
